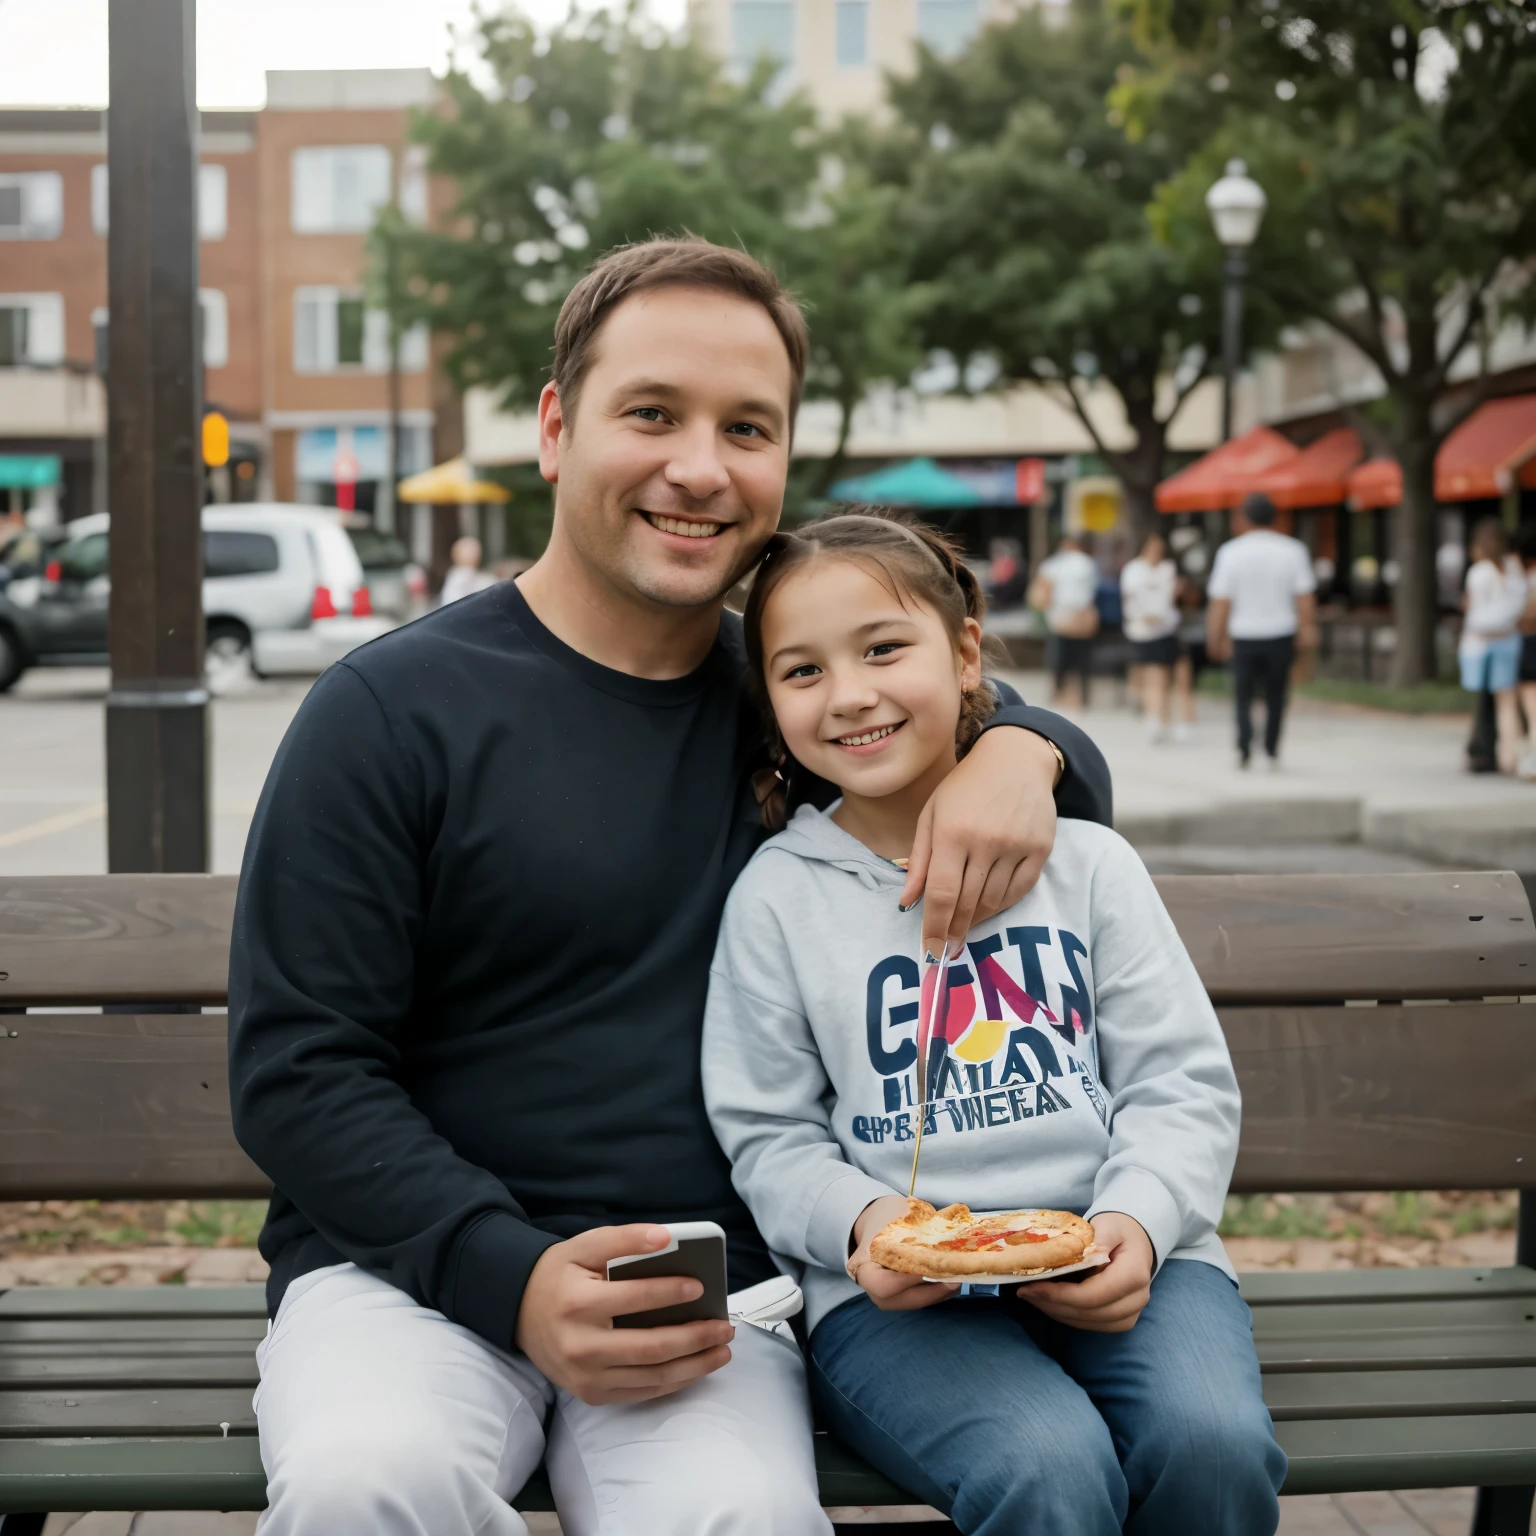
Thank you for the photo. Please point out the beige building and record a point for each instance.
(838, 51)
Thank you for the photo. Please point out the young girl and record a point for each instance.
(1149, 587)
(1490, 644)
(1083, 1070)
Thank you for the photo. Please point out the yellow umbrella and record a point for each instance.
(449, 484)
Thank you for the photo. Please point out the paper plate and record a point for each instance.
(1092, 1259)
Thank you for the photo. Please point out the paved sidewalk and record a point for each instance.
(1389, 788)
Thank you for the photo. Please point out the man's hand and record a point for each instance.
(565, 1323)
(889, 1291)
(1110, 1299)
(984, 836)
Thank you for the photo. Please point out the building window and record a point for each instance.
(761, 27)
(337, 189)
(31, 330)
(212, 201)
(31, 206)
(946, 26)
(852, 33)
(215, 328)
(413, 184)
(333, 329)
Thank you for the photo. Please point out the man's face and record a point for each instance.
(671, 476)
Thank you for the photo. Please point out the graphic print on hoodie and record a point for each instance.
(1078, 1064)
(999, 1054)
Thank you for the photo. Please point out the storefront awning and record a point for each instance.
(1226, 474)
(449, 484)
(917, 483)
(1490, 453)
(1318, 475)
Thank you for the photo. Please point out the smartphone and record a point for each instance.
(697, 1250)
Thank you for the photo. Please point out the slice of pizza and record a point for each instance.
(954, 1242)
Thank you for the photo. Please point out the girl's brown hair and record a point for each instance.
(906, 556)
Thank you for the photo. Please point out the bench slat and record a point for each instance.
(143, 1333)
(1385, 1098)
(1300, 1288)
(115, 938)
(1391, 1097)
(21, 1370)
(153, 1412)
(1255, 938)
(1295, 938)
(1341, 1455)
(98, 1301)
(119, 1106)
(1390, 1318)
(1399, 1394)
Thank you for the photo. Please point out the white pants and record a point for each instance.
(379, 1417)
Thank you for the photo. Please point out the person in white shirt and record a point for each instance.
(1490, 644)
(1065, 587)
(1263, 601)
(464, 574)
(1149, 587)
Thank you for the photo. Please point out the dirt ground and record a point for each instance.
(118, 1242)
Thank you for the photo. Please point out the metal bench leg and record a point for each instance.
(22, 1525)
(1499, 1512)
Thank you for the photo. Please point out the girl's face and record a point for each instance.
(1153, 551)
(865, 685)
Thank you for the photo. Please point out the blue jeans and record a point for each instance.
(1018, 1426)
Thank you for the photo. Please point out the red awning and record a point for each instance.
(1226, 474)
(1317, 476)
(1483, 456)
(1493, 450)
(1377, 483)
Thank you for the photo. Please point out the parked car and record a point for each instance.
(25, 551)
(283, 593)
(396, 583)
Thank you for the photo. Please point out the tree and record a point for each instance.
(1397, 142)
(608, 131)
(1026, 201)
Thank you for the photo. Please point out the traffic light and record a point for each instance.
(215, 439)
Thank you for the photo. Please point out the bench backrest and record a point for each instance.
(1374, 1020)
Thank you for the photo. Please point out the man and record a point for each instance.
(1263, 599)
(470, 960)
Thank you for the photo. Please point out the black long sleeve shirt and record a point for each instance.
(472, 945)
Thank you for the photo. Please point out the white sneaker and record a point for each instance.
(1183, 733)
(1271, 764)
(1155, 732)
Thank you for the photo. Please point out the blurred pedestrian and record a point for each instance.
(1263, 600)
(1149, 589)
(1064, 588)
(1489, 650)
(464, 573)
(1525, 549)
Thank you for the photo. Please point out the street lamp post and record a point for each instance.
(1236, 204)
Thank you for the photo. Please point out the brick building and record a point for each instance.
(292, 353)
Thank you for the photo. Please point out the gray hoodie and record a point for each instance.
(1083, 1067)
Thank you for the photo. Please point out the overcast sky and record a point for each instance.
(54, 52)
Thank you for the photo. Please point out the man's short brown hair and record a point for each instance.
(662, 263)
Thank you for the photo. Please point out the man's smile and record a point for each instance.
(683, 527)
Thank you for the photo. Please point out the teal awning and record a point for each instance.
(917, 483)
(28, 471)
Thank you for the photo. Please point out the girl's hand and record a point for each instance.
(1110, 1299)
(890, 1291)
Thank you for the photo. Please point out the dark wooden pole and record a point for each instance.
(157, 711)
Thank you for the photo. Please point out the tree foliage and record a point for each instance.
(1027, 208)
(1397, 142)
(608, 131)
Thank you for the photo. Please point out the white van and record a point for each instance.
(283, 593)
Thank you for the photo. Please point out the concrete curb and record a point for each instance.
(1253, 823)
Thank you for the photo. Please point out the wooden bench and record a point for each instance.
(1378, 1036)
